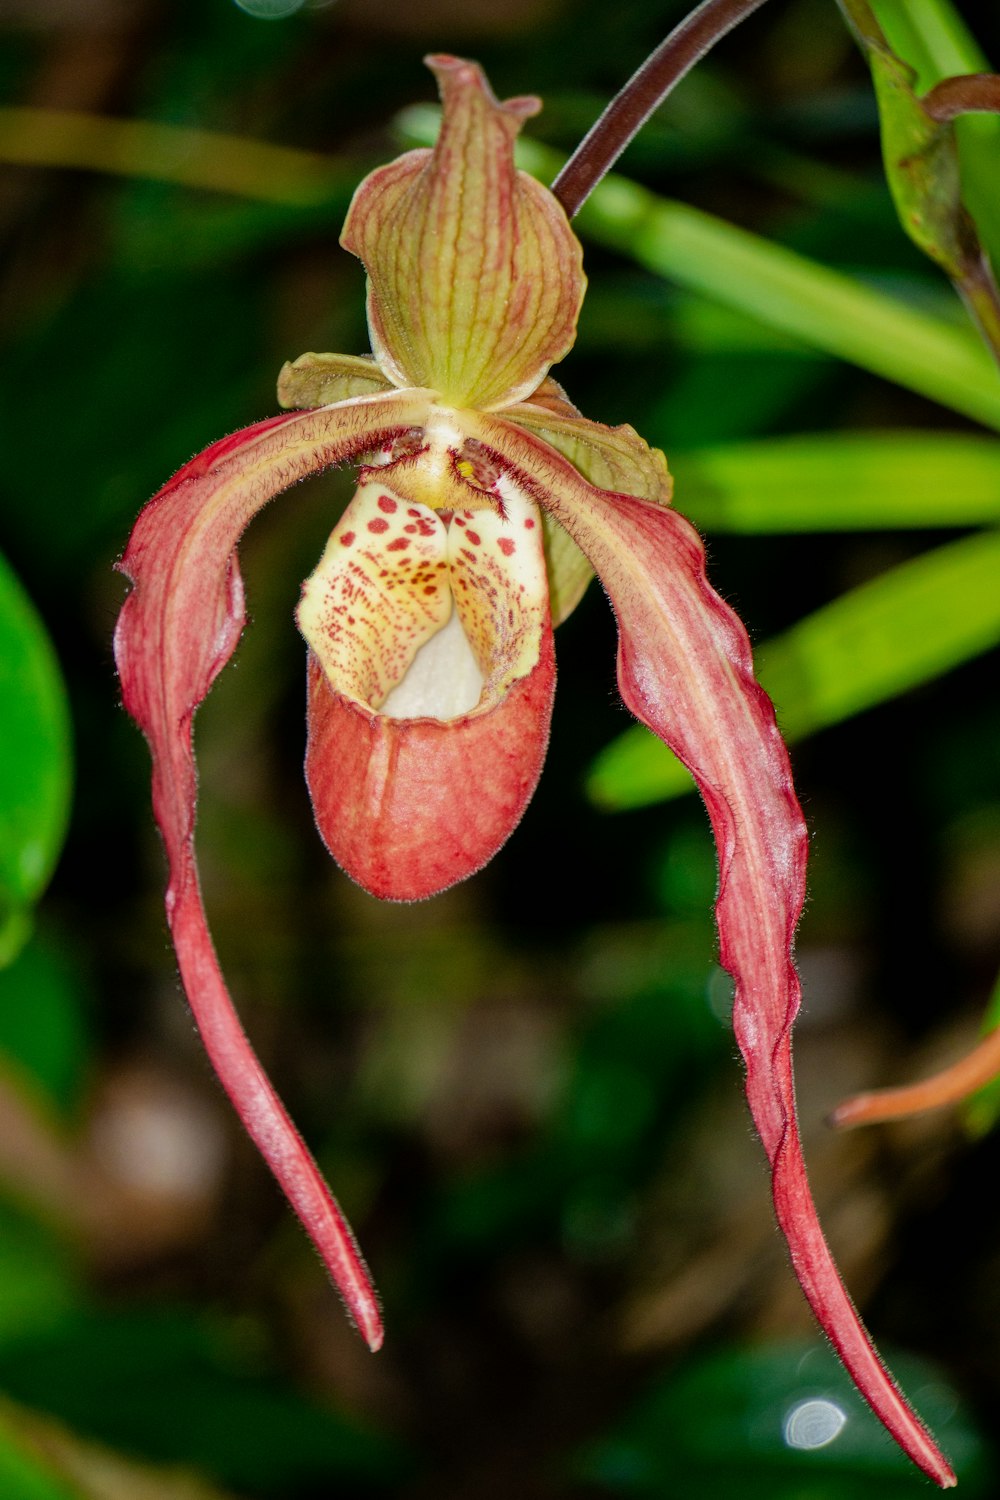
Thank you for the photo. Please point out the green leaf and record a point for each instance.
(823, 308)
(820, 306)
(42, 1020)
(904, 628)
(935, 40)
(776, 1423)
(871, 482)
(176, 1387)
(23, 1476)
(921, 157)
(34, 760)
(42, 1460)
(38, 1279)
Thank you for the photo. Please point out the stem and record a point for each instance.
(631, 108)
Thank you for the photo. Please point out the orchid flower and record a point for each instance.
(484, 501)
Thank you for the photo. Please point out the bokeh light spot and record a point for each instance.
(813, 1424)
(270, 10)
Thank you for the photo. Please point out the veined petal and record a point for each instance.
(320, 379)
(177, 629)
(685, 670)
(408, 806)
(475, 277)
(612, 458)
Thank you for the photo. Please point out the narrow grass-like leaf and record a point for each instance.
(907, 627)
(839, 482)
(823, 308)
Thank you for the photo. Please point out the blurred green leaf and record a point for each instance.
(778, 1423)
(35, 751)
(38, 1279)
(177, 1387)
(42, 1020)
(23, 1476)
(822, 307)
(906, 627)
(42, 1460)
(839, 482)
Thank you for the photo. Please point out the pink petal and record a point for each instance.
(177, 629)
(410, 805)
(685, 670)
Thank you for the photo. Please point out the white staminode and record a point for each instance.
(443, 680)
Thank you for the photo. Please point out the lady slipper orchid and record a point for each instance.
(484, 500)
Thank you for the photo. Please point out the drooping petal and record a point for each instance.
(408, 806)
(177, 629)
(685, 670)
(475, 278)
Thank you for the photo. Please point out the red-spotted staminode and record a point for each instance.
(484, 500)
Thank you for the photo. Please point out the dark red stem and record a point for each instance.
(631, 108)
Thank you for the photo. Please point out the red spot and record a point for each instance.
(528, 524)
(412, 512)
(411, 529)
(388, 504)
(346, 538)
(399, 545)
(459, 520)
(506, 546)
(431, 588)
(474, 537)
(378, 525)
(470, 555)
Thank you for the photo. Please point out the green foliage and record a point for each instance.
(874, 642)
(34, 761)
(224, 1412)
(775, 1423)
(44, 1022)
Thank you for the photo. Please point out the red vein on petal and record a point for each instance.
(685, 670)
(177, 629)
